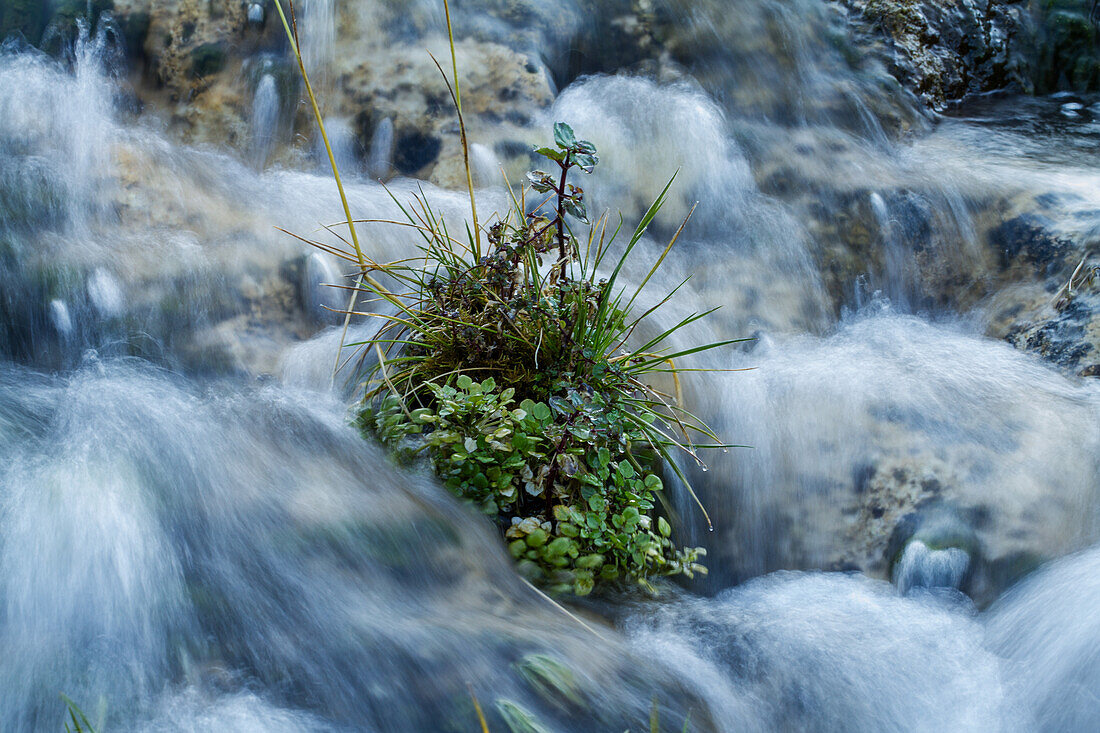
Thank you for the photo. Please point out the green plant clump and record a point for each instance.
(566, 456)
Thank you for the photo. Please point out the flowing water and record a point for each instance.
(193, 538)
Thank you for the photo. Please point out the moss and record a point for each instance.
(207, 59)
(61, 26)
(1067, 56)
(899, 18)
(23, 17)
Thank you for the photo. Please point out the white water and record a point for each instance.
(265, 116)
(183, 547)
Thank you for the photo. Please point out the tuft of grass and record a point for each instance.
(566, 454)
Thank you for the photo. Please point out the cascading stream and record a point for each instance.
(193, 538)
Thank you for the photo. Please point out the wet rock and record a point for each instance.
(135, 29)
(1044, 243)
(776, 43)
(190, 55)
(888, 496)
(501, 91)
(23, 17)
(949, 50)
(1028, 238)
(917, 524)
(1069, 337)
(415, 151)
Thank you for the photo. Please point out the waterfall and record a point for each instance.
(193, 536)
(264, 120)
(923, 567)
(317, 29)
(380, 156)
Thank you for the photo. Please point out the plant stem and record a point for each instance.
(561, 216)
(324, 135)
(462, 132)
(292, 37)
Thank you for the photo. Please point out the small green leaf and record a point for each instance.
(590, 562)
(559, 546)
(576, 207)
(541, 182)
(563, 135)
(663, 527)
(586, 162)
(551, 153)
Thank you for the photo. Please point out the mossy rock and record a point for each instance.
(1068, 53)
(208, 59)
(61, 26)
(23, 17)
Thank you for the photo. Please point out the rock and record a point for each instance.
(414, 151)
(207, 59)
(1028, 238)
(1039, 250)
(24, 17)
(892, 430)
(400, 89)
(756, 55)
(1064, 50)
(1069, 337)
(192, 57)
(947, 49)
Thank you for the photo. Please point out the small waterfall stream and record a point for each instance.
(193, 538)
